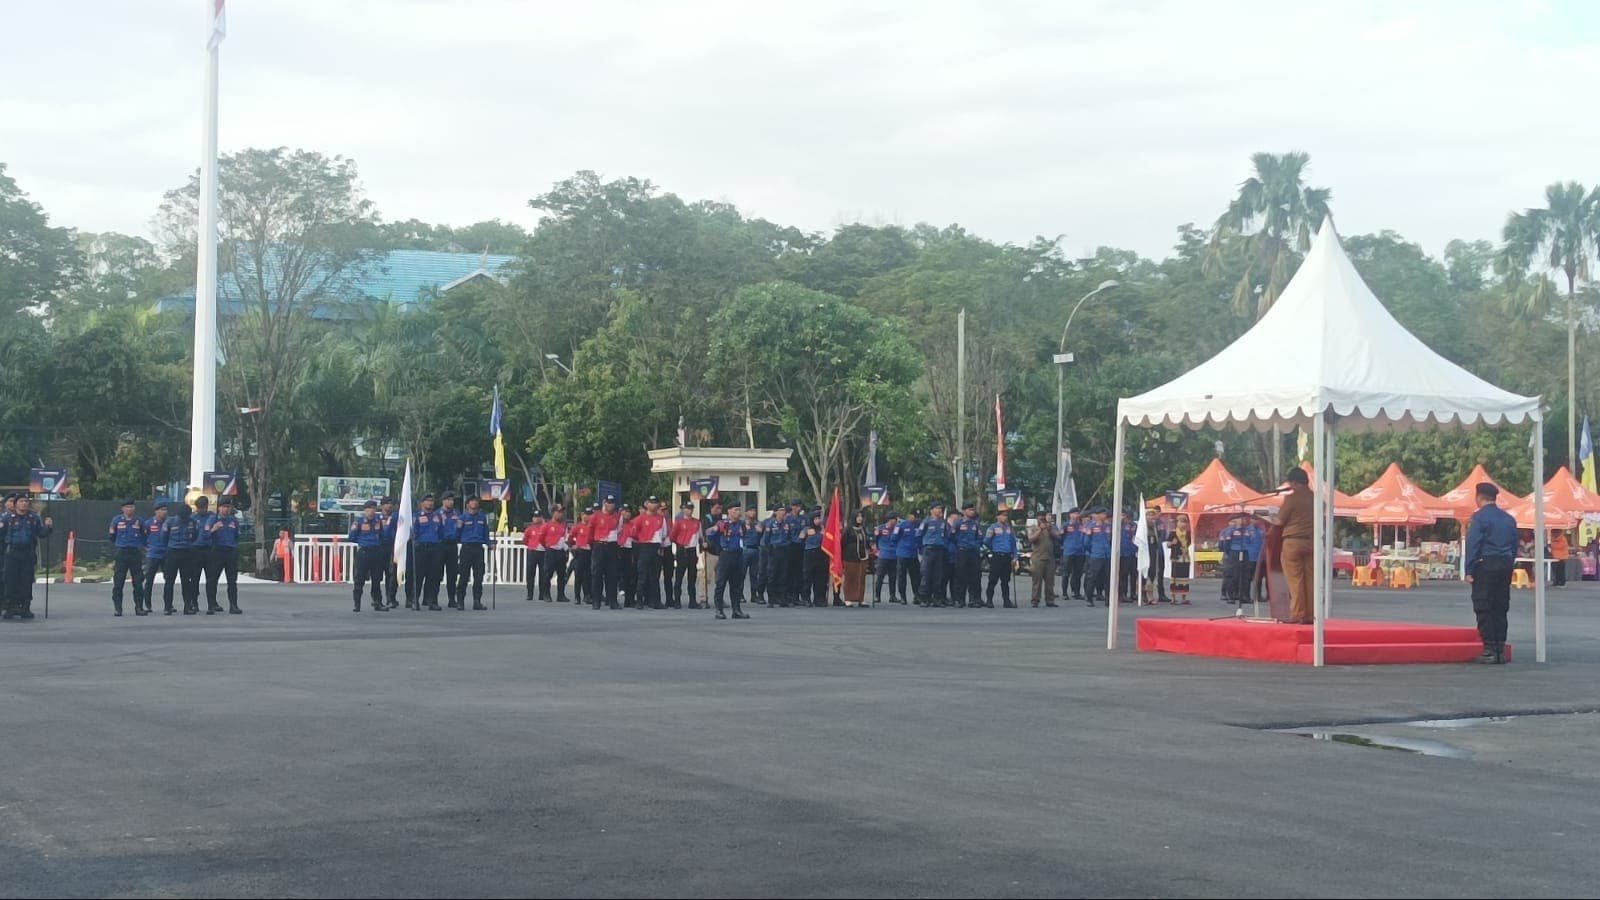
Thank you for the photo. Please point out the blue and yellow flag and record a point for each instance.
(495, 416)
(1586, 476)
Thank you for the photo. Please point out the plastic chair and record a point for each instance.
(1520, 579)
(1364, 576)
(1401, 577)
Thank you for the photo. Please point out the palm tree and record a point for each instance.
(1273, 206)
(1558, 237)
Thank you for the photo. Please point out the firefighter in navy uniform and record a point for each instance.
(391, 576)
(23, 530)
(427, 540)
(887, 542)
(969, 559)
(728, 537)
(182, 566)
(223, 560)
(450, 547)
(204, 544)
(5, 583)
(366, 532)
(474, 537)
(933, 539)
(750, 549)
(814, 585)
(155, 558)
(1001, 541)
(127, 533)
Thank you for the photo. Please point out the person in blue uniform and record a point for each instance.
(474, 537)
(815, 588)
(427, 538)
(223, 558)
(969, 538)
(1491, 551)
(155, 558)
(366, 532)
(908, 566)
(1097, 575)
(949, 592)
(183, 561)
(888, 545)
(450, 547)
(203, 546)
(1252, 541)
(798, 522)
(1074, 555)
(1000, 539)
(933, 557)
(127, 533)
(751, 550)
(729, 537)
(391, 574)
(775, 542)
(1128, 569)
(23, 530)
(1230, 542)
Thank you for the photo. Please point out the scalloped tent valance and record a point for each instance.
(1327, 345)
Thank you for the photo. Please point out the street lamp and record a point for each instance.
(557, 360)
(1061, 359)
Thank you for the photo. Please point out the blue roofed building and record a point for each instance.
(404, 277)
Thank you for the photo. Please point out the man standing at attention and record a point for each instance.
(1296, 519)
(1491, 548)
(1042, 568)
(127, 533)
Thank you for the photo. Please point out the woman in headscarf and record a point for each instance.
(857, 544)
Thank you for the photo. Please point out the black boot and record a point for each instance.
(118, 610)
(721, 614)
(233, 609)
(478, 604)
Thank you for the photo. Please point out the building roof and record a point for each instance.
(397, 276)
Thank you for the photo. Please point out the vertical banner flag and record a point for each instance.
(1010, 500)
(1587, 477)
(999, 447)
(874, 495)
(54, 482)
(872, 458)
(1066, 495)
(1302, 445)
(402, 528)
(219, 24)
(832, 543)
(1141, 543)
(609, 489)
(221, 484)
(705, 489)
(496, 417)
(683, 435)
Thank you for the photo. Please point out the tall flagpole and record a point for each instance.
(203, 425)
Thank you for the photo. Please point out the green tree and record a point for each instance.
(294, 228)
(815, 366)
(36, 259)
(1278, 214)
(1557, 237)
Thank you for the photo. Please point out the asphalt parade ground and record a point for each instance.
(302, 749)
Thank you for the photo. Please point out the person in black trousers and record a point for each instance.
(1491, 549)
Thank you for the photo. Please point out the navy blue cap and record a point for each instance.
(388, 500)
(798, 502)
(202, 500)
(424, 497)
(370, 504)
(129, 502)
(224, 500)
(161, 506)
(967, 506)
(448, 495)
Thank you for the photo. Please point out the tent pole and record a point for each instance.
(1540, 567)
(1320, 450)
(1113, 602)
(1327, 513)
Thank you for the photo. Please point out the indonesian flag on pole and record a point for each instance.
(999, 447)
(219, 23)
(833, 541)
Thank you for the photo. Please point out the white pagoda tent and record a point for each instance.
(1328, 357)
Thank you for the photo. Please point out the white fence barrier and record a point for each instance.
(330, 558)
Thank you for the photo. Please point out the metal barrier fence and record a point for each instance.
(319, 558)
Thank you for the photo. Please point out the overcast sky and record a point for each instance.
(1107, 123)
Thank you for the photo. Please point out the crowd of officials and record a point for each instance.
(21, 529)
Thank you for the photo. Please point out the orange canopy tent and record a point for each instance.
(1215, 491)
(1394, 486)
(1557, 515)
(1570, 494)
(1463, 499)
(1344, 505)
(1406, 511)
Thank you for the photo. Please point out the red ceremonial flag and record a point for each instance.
(999, 447)
(832, 543)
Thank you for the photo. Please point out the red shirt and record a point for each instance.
(685, 531)
(531, 537)
(555, 535)
(605, 526)
(649, 528)
(581, 535)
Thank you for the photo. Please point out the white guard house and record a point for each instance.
(741, 473)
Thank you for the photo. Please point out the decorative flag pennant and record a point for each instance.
(999, 446)
(832, 543)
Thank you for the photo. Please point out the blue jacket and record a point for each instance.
(225, 533)
(127, 532)
(910, 534)
(452, 523)
(1098, 538)
(428, 527)
(934, 535)
(1074, 539)
(155, 542)
(887, 541)
(367, 533)
(473, 527)
(1001, 539)
(777, 533)
(202, 525)
(23, 529)
(1253, 540)
(813, 541)
(180, 532)
(1129, 546)
(1491, 534)
(751, 536)
(391, 523)
(969, 534)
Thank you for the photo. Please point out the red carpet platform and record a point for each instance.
(1347, 641)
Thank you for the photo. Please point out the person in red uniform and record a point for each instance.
(649, 531)
(533, 541)
(581, 537)
(555, 557)
(605, 525)
(685, 537)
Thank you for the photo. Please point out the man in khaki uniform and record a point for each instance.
(1296, 519)
(1043, 537)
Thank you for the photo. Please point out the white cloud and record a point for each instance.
(1108, 122)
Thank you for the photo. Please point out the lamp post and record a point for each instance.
(555, 358)
(1062, 357)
